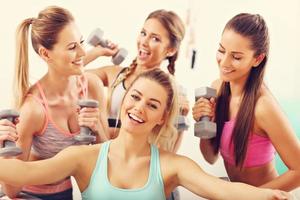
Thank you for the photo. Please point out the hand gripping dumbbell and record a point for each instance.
(9, 147)
(85, 135)
(95, 38)
(181, 121)
(205, 128)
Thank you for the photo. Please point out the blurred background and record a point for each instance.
(122, 21)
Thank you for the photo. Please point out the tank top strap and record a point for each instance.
(44, 99)
(155, 164)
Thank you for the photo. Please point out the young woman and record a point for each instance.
(131, 166)
(250, 125)
(49, 117)
(158, 40)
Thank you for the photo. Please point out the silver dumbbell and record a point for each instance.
(9, 147)
(181, 122)
(205, 128)
(96, 38)
(85, 135)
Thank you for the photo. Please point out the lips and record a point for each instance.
(78, 62)
(227, 70)
(135, 118)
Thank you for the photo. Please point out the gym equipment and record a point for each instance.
(9, 147)
(204, 128)
(95, 38)
(85, 135)
(182, 123)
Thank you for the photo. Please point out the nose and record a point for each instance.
(139, 106)
(224, 60)
(144, 41)
(81, 50)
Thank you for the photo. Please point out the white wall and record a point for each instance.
(122, 20)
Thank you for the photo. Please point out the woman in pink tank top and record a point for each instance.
(49, 116)
(250, 124)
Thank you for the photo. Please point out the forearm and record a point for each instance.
(207, 151)
(287, 181)
(243, 191)
(90, 56)
(13, 172)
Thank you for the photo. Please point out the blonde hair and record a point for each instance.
(164, 136)
(44, 32)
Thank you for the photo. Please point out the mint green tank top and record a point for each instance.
(100, 187)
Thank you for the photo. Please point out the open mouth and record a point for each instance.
(143, 54)
(135, 118)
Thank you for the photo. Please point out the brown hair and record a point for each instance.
(44, 32)
(255, 29)
(175, 27)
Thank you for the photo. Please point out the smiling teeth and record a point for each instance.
(136, 118)
(227, 70)
(79, 62)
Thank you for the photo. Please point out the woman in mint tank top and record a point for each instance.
(131, 166)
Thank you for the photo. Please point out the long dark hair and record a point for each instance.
(255, 29)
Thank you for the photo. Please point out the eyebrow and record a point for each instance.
(81, 38)
(235, 52)
(152, 99)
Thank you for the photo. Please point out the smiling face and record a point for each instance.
(66, 57)
(143, 106)
(235, 57)
(153, 44)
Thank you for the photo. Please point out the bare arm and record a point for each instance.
(98, 118)
(26, 131)
(99, 51)
(284, 140)
(207, 186)
(64, 164)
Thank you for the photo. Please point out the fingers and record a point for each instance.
(203, 107)
(89, 117)
(7, 131)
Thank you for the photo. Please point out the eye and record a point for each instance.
(82, 42)
(72, 47)
(236, 57)
(156, 39)
(143, 33)
(135, 97)
(221, 51)
(152, 106)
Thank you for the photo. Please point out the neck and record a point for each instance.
(58, 85)
(129, 145)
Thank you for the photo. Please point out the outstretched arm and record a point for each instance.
(202, 184)
(18, 173)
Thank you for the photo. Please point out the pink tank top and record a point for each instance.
(51, 140)
(260, 149)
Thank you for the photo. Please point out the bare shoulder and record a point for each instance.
(266, 104)
(106, 73)
(32, 112)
